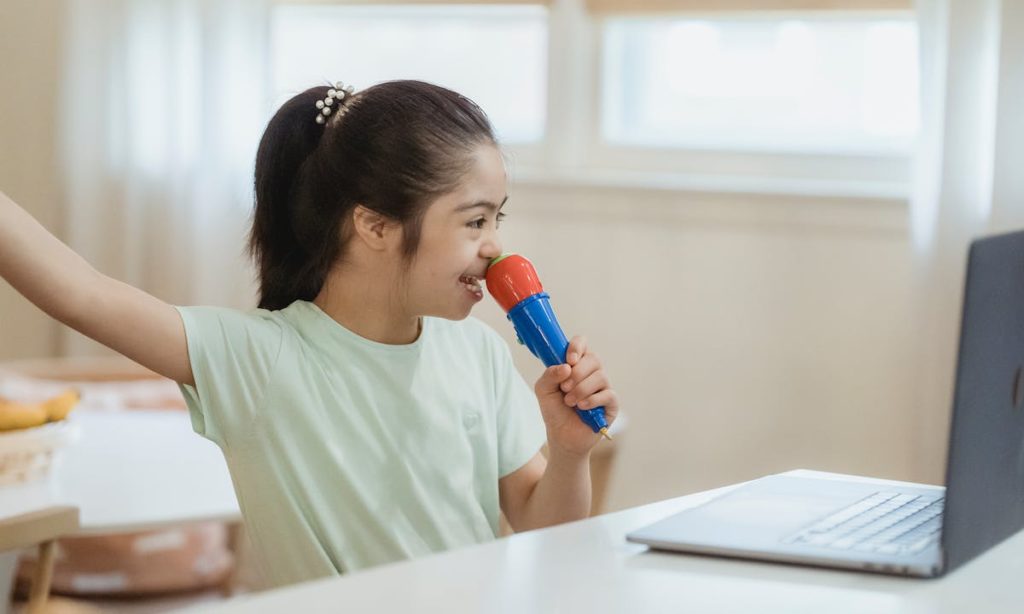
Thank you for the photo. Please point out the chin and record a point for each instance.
(459, 316)
(463, 312)
(454, 313)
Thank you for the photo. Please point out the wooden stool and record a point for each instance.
(41, 528)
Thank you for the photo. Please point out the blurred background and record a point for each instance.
(756, 210)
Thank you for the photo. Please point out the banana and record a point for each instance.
(15, 415)
(21, 416)
(58, 407)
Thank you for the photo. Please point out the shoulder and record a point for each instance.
(232, 328)
(228, 317)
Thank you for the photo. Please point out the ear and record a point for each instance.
(376, 230)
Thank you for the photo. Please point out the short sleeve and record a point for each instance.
(521, 432)
(232, 354)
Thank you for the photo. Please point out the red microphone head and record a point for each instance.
(510, 279)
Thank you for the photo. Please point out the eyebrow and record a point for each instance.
(481, 203)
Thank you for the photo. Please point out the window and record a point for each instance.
(494, 54)
(819, 84)
(690, 89)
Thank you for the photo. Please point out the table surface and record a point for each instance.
(132, 471)
(588, 566)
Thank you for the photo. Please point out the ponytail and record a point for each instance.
(287, 270)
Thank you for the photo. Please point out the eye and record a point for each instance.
(481, 222)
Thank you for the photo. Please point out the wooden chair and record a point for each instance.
(39, 528)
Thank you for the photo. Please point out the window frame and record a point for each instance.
(573, 150)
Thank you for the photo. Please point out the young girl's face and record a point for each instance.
(458, 240)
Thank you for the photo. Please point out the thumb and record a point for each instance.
(549, 381)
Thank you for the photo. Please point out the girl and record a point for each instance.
(365, 418)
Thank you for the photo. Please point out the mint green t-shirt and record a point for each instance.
(347, 453)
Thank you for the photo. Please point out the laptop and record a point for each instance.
(919, 530)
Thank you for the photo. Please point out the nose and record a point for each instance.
(491, 248)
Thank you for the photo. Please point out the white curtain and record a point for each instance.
(969, 179)
(163, 105)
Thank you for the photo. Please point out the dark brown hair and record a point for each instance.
(398, 146)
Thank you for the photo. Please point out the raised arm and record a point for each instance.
(65, 286)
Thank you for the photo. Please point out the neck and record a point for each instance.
(365, 305)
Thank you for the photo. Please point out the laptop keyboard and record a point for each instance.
(885, 522)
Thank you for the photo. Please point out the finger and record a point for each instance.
(549, 381)
(577, 348)
(606, 399)
(594, 383)
(587, 365)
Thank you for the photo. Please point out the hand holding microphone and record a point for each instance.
(513, 282)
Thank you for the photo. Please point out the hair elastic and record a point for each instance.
(339, 92)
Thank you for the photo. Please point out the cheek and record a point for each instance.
(429, 272)
(441, 259)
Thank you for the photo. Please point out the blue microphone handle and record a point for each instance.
(539, 331)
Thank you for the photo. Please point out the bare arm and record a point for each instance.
(66, 287)
(545, 493)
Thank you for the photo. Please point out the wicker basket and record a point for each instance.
(28, 454)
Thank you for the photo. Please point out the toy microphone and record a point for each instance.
(513, 282)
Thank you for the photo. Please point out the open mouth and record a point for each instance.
(472, 285)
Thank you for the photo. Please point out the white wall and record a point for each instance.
(744, 334)
(29, 78)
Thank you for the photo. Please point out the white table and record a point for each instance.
(129, 471)
(132, 471)
(588, 567)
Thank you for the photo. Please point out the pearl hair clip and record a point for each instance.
(339, 92)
